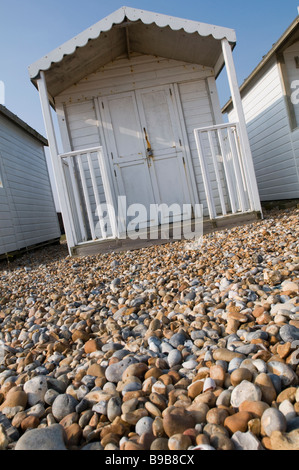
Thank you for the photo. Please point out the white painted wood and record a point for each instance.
(108, 195)
(27, 210)
(57, 164)
(61, 115)
(148, 18)
(216, 169)
(228, 174)
(292, 70)
(86, 195)
(159, 118)
(237, 102)
(271, 139)
(205, 175)
(97, 195)
(142, 71)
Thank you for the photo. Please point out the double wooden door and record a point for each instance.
(146, 153)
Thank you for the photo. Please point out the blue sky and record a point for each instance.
(29, 29)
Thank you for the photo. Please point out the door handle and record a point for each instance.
(149, 151)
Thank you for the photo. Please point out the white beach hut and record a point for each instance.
(141, 124)
(28, 215)
(270, 98)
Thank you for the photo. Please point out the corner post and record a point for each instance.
(244, 140)
(56, 161)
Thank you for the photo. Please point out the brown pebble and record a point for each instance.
(30, 422)
(237, 422)
(177, 421)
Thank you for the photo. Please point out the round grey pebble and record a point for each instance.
(50, 438)
(144, 424)
(63, 405)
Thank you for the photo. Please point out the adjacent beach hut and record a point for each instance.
(270, 98)
(139, 118)
(28, 215)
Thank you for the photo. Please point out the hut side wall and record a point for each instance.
(27, 210)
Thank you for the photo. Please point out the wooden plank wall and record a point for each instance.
(27, 210)
(270, 136)
(77, 103)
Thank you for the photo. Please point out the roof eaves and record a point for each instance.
(16, 120)
(118, 17)
(264, 61)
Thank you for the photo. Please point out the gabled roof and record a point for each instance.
(16, 120)
(131, 30)
(283, 42)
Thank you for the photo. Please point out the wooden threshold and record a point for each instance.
(127, 244)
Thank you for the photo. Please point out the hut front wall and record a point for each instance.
(79, 107)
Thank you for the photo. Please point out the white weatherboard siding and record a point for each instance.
(27, 210)
(270, 136)
(81, 103)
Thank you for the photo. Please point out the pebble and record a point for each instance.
(50, 438)
(273, 420)
(160, 348)
(63, 405)
(245, 391)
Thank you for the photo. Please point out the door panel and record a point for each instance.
(157, 111)
(142, 133)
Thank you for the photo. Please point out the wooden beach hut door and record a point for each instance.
(143, 140)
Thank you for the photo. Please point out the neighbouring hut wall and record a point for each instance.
(27, 210)
(271, 139)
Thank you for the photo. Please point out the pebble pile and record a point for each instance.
(164, 348)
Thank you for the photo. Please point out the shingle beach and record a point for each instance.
(161, 348)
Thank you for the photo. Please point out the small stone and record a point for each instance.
(255, 408)
(223, 354)
(49, 438)
(80, 335)
(114, 408)
(174, 358)
(73, 434)
(144, 425)
(63, 405)
(91, 346)
(179, 442)
(287, 410)
(221, 442)
(237, 422)
(245, 391)
(30, 422)
(160, 443)
(265, 383)
(289, 333)
(216, 415)
(115, 371)
(14, 398)
(96, 370)
(195, 388)
(246, 441)
(3, 438)
(285, 441)
(217, 373)
(238, 375)
(285, 372)
(273, 420)
(176, 421)
(36, 389)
